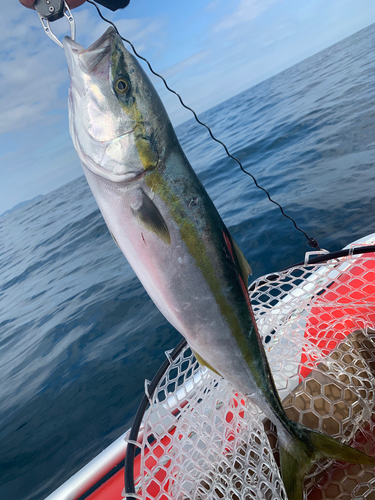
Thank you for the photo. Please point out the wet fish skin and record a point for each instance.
(166, 225)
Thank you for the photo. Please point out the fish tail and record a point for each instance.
(307, 446)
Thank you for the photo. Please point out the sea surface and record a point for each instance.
(78, 333)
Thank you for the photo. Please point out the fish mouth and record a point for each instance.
(91, 57)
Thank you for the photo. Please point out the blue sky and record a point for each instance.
(209, 50)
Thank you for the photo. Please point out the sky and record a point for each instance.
(208, 50)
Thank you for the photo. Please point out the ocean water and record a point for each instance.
(78, 334)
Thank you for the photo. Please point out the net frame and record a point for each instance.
(202, 439)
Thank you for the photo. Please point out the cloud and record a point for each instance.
(180, 67)
(29, 86)
(213, 5)
(247, 10)
(33, 72)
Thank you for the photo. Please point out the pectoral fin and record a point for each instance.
(149, 217)
(202, 362)
(114, 239)
(245, 268)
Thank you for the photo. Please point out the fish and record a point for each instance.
(161, 217)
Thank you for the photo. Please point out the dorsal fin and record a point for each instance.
(245, 268)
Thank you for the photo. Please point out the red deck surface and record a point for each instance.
(111, 489)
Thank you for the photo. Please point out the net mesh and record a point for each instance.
(204, 440)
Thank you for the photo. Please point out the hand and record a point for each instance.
(72, 3)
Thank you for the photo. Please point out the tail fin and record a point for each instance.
(308, 447)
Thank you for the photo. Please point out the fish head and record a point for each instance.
(116, 116)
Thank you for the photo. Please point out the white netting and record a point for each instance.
(204, 440)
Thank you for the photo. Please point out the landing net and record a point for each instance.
(203, 440)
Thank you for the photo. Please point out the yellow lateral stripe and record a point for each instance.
(198, 251)
(202, 362)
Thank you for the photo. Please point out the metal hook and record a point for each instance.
(47, 27)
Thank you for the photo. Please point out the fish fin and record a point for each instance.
(309, 446)
(245, 268)
(202, 362)
(329, 447)
(114, 239)
(148, 216)
(292, 474)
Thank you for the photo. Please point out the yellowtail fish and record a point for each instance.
(161, 217)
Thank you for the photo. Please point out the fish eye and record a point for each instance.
(122, 86)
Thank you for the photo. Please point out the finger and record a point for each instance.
(75, 3)
(72, 3)
(28, 3)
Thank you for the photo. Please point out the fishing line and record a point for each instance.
(311, 241)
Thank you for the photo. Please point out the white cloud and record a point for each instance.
(33, 72)
(177, 69)
(247, 10)
(213, 5)
(145, 34)
(29, 86)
